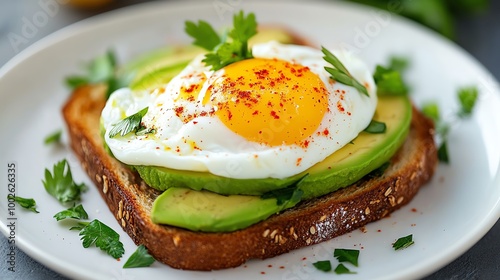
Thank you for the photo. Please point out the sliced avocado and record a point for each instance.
(211, 212)
(269, 33)
(344, 167)
(158, 67)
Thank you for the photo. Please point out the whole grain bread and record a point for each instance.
(310, 222)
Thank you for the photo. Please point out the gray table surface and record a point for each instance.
(480, 36)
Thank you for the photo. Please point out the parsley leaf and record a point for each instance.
(129, 124)
(103, 237)
(389, 82)
(341, 269)
(403, 242)
(431, 110)
(290, 195)
(27, 203)
(443, 153)
(223, 51)
(347, 255)
(340, 73)
(60, 184)
(323, 265)
(467, 97)
(203, 33)
(389, 79)
(79, 226)
(75, 212)
(375, 127)
(244, 29)
(140, 258)
(398, 63)
(102, 69)
(54, 137)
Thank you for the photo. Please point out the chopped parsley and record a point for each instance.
(54, 137)
(129, 124)
(403, 242)
(376, 127)
(339, 73)
(389, 79)
(140, 258)
(75, 212)
(227, 49)
(323, 265)
(103, 237)
(102, 69)
(60, 183)
(291, 194)
(27, 203)
(342, 269)
(347, 255)
(467, 97)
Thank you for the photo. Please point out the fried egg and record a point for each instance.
(271, 116)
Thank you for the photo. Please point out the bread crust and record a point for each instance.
(310, 222)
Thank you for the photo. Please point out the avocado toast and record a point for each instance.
(338, 194)
(130, 199)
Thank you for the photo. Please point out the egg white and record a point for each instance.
(205, 144)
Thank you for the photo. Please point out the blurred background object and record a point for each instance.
(89, 4)
(440, 15)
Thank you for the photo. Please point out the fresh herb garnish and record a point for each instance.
(27, 203)
(389, 79)
(340, 73)
(223, 51)
(129, 124)
(403, 242)
(79, 226)
(431, 110)
(467, 97)
(389, 82)
(60, 184)
(140, 258)
(323, 265)
(75, 212)
(204, 34)
(375, 127)
(103, 237)
(442, 153)
(102, 69)
(54, 137)
(291, 194)
(398, 63)
(347, 255)
(341, 269)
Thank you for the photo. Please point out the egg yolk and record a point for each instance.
(190, 91)
(269, 101)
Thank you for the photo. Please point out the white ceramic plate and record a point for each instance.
(446, 218)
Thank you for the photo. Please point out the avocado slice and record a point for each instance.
(344, 167)
(211, 212)
(156, 68)
(201, 210)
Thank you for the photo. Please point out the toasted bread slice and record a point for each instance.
(310, 222)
